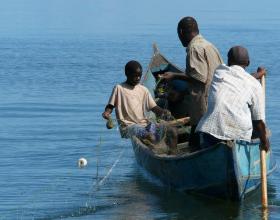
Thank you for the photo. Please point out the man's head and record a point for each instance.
(187, 29)
(177, 91)
(133, 72)
(238, 56)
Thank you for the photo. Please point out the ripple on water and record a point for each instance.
(52, 94)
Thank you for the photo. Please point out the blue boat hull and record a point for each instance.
(218, 171)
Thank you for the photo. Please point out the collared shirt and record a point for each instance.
(235, 99)
(131, 104)
(202, 60)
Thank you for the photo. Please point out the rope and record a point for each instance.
(101, 182)
(98, 183)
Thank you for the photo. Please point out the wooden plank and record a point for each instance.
(178, 122)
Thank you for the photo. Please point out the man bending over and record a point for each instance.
(131, 102)
(235, 103)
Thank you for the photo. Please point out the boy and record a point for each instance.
(131, 102)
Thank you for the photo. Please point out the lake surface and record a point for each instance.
(53, 90)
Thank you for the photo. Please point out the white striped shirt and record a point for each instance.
(235, 99)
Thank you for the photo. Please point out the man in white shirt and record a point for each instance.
(235, 103)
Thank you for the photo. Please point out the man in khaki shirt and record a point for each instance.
(201, 62)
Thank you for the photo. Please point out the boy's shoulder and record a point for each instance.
(120, 85)
(142, 87)
(138, 87)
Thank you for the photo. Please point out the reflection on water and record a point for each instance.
(168, 203)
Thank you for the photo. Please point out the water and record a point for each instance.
(53, 90)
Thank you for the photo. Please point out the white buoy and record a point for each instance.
(82, 162)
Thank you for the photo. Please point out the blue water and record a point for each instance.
(53, 90)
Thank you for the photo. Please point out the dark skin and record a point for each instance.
(261, 71)
(185, 38)
(259, 125)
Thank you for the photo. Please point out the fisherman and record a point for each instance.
(235, 103)
(131, 102)
(202, 59)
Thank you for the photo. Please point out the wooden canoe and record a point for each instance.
(222, 171)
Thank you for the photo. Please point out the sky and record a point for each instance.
(106, 16)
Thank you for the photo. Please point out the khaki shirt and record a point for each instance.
(202, 60)
(131, 104)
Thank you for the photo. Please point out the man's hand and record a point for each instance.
(166, 115)
(166, 112)
(108, 110)
(161, 113)
(167, 75)
(261, 71)
(265, 145)
(106, 115)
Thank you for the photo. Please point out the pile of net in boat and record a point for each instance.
(162, 143)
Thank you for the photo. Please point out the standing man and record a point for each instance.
(235, 104)
(202, 59)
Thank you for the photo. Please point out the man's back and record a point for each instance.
(202, 60)
(204, 57)
(235, 99)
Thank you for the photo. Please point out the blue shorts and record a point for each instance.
(141, 132)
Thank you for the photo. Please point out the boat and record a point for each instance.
(227, 170)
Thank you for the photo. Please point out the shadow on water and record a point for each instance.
(77, 212)
(178, 205)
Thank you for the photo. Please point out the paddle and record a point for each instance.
(263, 163)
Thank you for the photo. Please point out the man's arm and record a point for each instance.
(108, 110)
(171, 76)
(159, 111)
(186, 77)
(111, 104)
(259, 125)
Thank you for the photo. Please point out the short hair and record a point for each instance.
(238, 55)
(133, 66)
(188, 24)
